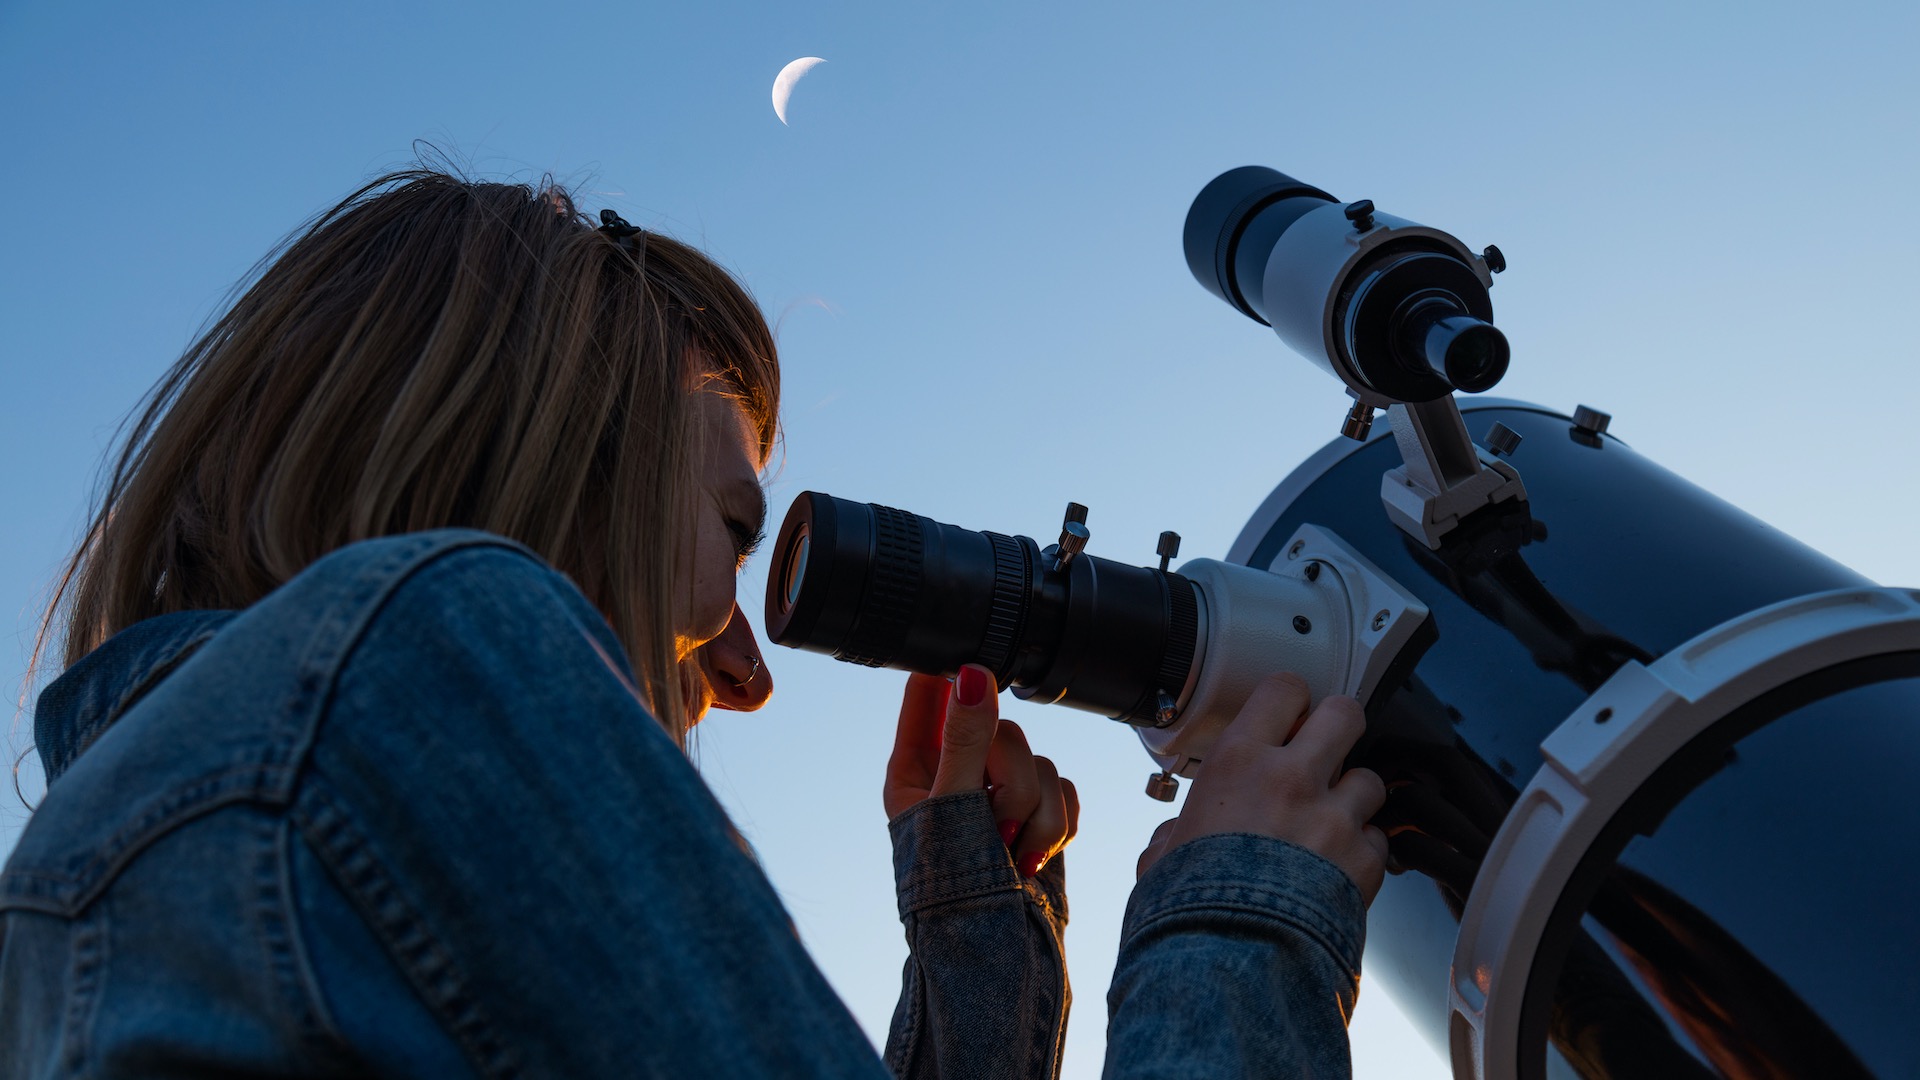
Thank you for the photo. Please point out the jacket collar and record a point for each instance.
(89, 696)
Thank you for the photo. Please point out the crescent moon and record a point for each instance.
(783, 83)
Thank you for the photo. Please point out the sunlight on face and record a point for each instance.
(721, 660)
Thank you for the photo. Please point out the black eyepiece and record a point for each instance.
(873, 585)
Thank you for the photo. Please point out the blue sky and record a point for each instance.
(969, 238)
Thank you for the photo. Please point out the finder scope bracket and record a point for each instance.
(1445, 477)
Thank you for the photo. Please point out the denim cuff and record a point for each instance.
(946, 848)
(1255, 876)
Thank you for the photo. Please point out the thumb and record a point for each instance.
(973, 715)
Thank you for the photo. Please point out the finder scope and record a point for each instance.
(1396, 310)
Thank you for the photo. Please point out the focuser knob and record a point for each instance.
(1168, 548)
(1073, 536)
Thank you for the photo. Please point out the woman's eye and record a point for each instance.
(746, 541)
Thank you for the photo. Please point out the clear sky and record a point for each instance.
(969, 238)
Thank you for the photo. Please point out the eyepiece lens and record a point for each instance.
(1476, 358)
(794, 568)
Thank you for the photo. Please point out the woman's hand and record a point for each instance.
(951, 739)
(1275, 771)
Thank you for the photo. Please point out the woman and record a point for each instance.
(381, 650)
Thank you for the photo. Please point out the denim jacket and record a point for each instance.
(406, 816)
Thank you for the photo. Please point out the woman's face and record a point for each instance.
(729, 671)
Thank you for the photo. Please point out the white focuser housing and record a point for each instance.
(1322, 611)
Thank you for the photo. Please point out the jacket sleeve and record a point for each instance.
(540, 865)
(985, 991)
(1239, 956)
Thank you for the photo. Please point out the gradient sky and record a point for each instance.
(969, 240)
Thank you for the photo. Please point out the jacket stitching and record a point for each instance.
(429, 966)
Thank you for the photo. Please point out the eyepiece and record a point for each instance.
(1471, 354)
(873, 585)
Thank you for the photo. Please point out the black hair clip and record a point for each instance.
(627, 235)
(615, 226)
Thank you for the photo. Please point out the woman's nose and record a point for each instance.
(734, 667)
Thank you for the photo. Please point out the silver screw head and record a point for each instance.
(1380, 620)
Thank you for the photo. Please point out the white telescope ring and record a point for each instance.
(1600, 756)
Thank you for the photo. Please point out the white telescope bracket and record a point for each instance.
(1601, 755)
(1445, 476)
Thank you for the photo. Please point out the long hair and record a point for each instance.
(433, 352)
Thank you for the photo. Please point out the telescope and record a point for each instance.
(1648, 758)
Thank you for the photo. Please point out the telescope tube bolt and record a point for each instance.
(1495, 261)
(1361, 214)
(1591, 420)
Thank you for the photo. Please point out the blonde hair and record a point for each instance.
(433, 352)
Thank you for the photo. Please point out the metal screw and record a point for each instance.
(1361, 214)
(1359, 422)
(1165, 708)
(1301, 625)
(1294, 551)
(1313, 570)
(1073, 540)
(1495, 261)
(1163, 785)
(1380, 619)
(1169, 547)
(1591, 420)
(1502, 440)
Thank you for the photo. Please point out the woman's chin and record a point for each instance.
(696, 694)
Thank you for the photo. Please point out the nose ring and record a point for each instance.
(755, 673)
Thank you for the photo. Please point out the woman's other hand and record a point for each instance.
(1275, 771)
(951, 739)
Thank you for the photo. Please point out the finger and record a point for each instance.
(1015, 780)
(1271, 713)
(1046, 829)
(1071, 796)
(923, 712)
(973, 714)
(1362, 793)
(916, 745)
(1377, 840)
(1329, 733)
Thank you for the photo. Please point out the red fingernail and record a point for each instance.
(1031, 863)
(1008, 830)
(971, 687)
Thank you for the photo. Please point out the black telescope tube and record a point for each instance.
(873, 585)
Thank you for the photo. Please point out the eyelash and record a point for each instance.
(745, 542)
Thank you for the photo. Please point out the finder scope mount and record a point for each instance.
(1396, 310)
